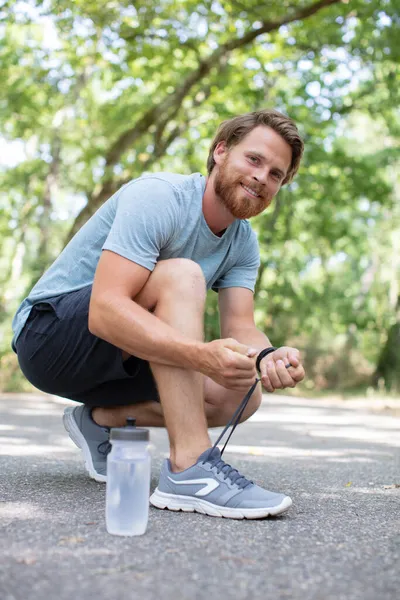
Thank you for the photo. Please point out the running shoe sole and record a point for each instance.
(190, 504)
(78, 439)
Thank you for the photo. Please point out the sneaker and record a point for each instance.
(92, 439)
(214, 488)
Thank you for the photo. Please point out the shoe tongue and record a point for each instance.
(210, 454)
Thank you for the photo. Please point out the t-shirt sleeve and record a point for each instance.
(244, 272)
(146, 219)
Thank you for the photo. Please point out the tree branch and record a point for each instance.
(204, 67)
(173, 101)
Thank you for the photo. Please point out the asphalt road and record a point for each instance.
(340, 540)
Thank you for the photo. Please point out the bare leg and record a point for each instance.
(220, 404)
(176, 292)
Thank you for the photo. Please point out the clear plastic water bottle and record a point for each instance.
(128, 480)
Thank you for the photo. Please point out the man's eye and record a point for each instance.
(253, 159)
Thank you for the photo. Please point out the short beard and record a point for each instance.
(226, 187)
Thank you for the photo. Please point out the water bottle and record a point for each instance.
(128, 480)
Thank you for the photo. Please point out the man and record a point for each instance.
(116, 323)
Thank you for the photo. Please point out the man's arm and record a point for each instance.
(114, 316)
(236, 308)
(236, 312)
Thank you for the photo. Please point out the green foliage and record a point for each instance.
(95, 94)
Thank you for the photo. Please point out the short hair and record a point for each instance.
(234, 130)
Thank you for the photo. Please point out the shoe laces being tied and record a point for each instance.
(229, 472)
(214, 455)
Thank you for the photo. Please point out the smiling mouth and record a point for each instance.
(250, 191)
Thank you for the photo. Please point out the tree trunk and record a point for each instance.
(388, 367)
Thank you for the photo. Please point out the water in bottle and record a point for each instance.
(128, 480)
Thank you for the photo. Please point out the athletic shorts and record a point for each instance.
(58, 355)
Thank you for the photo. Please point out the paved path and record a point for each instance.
(340, 540)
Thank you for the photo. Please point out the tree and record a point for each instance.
(97, 94)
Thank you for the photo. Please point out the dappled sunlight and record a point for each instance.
(319, 415)
(26, 448)
(374, 491)
(291, 452)
(285, 429)
(35, 411)
(29, 429)
(328, 423)
(7, 427)
(358, 433)
(97, 95)
(21, 510)
(38, 431)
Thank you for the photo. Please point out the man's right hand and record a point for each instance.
(229, 363)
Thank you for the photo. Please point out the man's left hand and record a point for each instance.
(276, 375)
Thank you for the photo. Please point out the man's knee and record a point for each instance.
(181, 276)
(174, 267)
(175, 278)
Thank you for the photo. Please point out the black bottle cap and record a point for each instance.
(130, 432)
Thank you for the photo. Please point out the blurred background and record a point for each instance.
(94, 94)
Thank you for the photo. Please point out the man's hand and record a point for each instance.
(229, 363)
(275, 375)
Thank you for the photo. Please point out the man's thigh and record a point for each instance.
(58, 354)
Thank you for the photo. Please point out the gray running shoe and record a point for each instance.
(90, 438)
(214, 488)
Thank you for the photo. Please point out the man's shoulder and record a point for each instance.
(245, 229)
(175, 180)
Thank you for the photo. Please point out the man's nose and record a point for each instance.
(262, 176)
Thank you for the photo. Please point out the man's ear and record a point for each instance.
(220, 152)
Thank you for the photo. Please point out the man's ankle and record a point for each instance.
(103, 417)
(182, 460)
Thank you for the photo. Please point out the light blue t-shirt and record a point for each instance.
(152, 218)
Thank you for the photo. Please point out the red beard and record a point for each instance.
(228, 188)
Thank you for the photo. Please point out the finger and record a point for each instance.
(266, 383)
(252, 352)
(284, 375)
(240, 348)
(294, 358)
(273, 376)
(241, 384)
(297, 374)
(239, 361)
(241, 374)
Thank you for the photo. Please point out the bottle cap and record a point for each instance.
(130, 432)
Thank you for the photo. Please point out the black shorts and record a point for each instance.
(58, 355)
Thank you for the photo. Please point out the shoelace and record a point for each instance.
(234, 475)
(221, 465)
(105, 447)
(229, 472)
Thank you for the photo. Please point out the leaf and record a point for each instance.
(71, 540)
